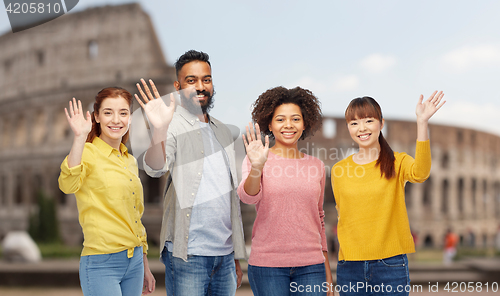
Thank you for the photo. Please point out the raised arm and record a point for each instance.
(257, 154)
(160, 116)
(425, 110)
(81, 127)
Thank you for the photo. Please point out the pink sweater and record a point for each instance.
(289, 229)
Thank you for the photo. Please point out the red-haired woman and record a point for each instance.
(104, 178)
(373, 229)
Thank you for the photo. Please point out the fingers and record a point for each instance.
(71, 111)
(244, 141)
(139, 100)
(257, 131)
(249, 138)
(153, 87)
(252, 132)
(67, 115)
(266, 139)
(80, 108)
(75, 105)
(420, 99)
(143, 95)
(439, 96)
(89, 118)
(432, 96)
(146, 88)
(172, 100)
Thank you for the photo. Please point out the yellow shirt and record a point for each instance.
(109, 198)
(372, 219)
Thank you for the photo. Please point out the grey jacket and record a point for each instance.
(184, 167)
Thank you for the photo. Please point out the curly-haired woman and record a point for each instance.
(289, 251)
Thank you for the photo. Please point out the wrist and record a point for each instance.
(80, 139)
(422, 121)
(258, 168)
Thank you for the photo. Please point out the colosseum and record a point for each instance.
(40, 71)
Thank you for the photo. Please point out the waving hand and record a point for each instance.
(80, 125)
(256, 152)
(425, 109)
(159, 114)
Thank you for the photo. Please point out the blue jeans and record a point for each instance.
(200, 275)
(112, 274)
(389, 276)
(283, 281)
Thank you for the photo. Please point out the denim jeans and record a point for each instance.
(200, 275)
(283, 281)
(112, 274)
(389, 276)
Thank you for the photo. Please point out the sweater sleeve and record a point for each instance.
(418, 170)
(245, 197)
(321, 211)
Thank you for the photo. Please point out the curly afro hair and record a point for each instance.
(310, 106)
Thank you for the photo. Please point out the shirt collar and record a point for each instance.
(190, 117)
(106, 149)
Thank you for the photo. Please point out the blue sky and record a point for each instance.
(388, 49)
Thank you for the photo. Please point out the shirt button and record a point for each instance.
(135, 221)
(192, 193)
(187, 236)
(130, 179)
(125, 167)
(133, 192)
(187, 215)
(201, 151)
(199, 174)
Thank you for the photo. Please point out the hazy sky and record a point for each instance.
(391, 50)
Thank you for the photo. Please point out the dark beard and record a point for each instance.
(187, 101)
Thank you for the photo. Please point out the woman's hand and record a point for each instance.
(256, 152)
(149, 280)
(159, 114)
(426, 109)
(80, 125)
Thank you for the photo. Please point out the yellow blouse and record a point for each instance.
(109, 198)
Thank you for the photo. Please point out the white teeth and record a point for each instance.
(288, 134)
(115, 128)
(364, 137)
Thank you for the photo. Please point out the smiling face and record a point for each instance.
(365, 131)
(365, 122)
(196, 79)
(287, 125)
(114, 120)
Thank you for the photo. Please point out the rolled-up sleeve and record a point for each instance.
(71, 179)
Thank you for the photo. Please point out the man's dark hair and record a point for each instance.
(189, 56)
